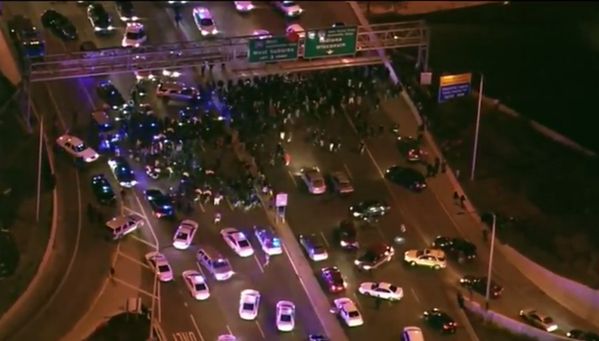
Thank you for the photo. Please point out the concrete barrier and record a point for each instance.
(511, 325)
(578, 298)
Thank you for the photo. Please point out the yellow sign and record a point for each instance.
(449, 80)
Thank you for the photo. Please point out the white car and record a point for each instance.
(285, 316)
(196, 283)
(204, 21)
(262, 34)
(243, 6)
(314, 180)
(289, 8)
(135, 35)
(159, 264)
(249, 302)
(237, 241)
(271, 244)
(346, 308)
(297, 28)
(341, 183)
(77, 148)
(184, 234)
(177, 91)
(382, 290)
(433, 258)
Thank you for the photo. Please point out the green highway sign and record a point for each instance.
(330, 42)
(271, 50)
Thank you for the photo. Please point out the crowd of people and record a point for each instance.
(258, 114)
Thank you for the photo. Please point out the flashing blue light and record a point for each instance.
(152, 124)
(276, 242)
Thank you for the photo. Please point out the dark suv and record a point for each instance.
(370, 209)
(375, 256)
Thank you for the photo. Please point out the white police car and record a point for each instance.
(77, 148)
(135, 35)
(270, 242)
(204, 21)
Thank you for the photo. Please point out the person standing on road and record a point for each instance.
(361, 147)
(463, 201)
(217, 218)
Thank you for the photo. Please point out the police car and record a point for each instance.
(271, 244)
(314, 180)
(289, 8)
(75, 147)
(237, 241)
(184, 234)
(122, 172)
(204, 21)
(102, 189)
(158, 262)
(196, 284)
(135, 35)
(347, 310)
(243, 6)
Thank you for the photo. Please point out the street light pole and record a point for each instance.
(475, 149)
(39, 170)
(491, 253)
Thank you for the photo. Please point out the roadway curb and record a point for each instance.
(20, 302)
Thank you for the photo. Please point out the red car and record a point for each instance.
(332, 278)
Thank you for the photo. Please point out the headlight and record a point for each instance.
(343, 243)
(124, 18)
(214, 31)
(97, 29)
(110, 28)
(357, 262)
(134, 18)
(204, 33)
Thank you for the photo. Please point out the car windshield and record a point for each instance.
(80, 147)
(123, 170)
(354, 314)
(244, 243)
(318, 183)
(547, 320)
(221, 263)
(248, 306)
(288, 3)
(200, 286)
(286, 318)
(206, 22)
(393, 288)
(136, 35)
(182, 235)
(164, 268)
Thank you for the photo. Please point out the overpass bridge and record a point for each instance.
(233, 51)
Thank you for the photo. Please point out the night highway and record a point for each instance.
(181, 316)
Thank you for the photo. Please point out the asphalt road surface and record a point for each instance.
(183, 317)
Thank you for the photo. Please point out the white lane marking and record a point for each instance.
(291, 261)
(229, 329)
(184, 336)
(415, 295)
(143, 241)
(229, 204)
(292, 178)
(260, 329)
(349, 175)
(134, 260)
(195, 325)
(326, 242)
(147, 221)
(258, 262)
(134, 287)
(127, 209)
(200, 269)
(55, 104)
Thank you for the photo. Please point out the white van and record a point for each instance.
(215, 263)
(120, 226)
